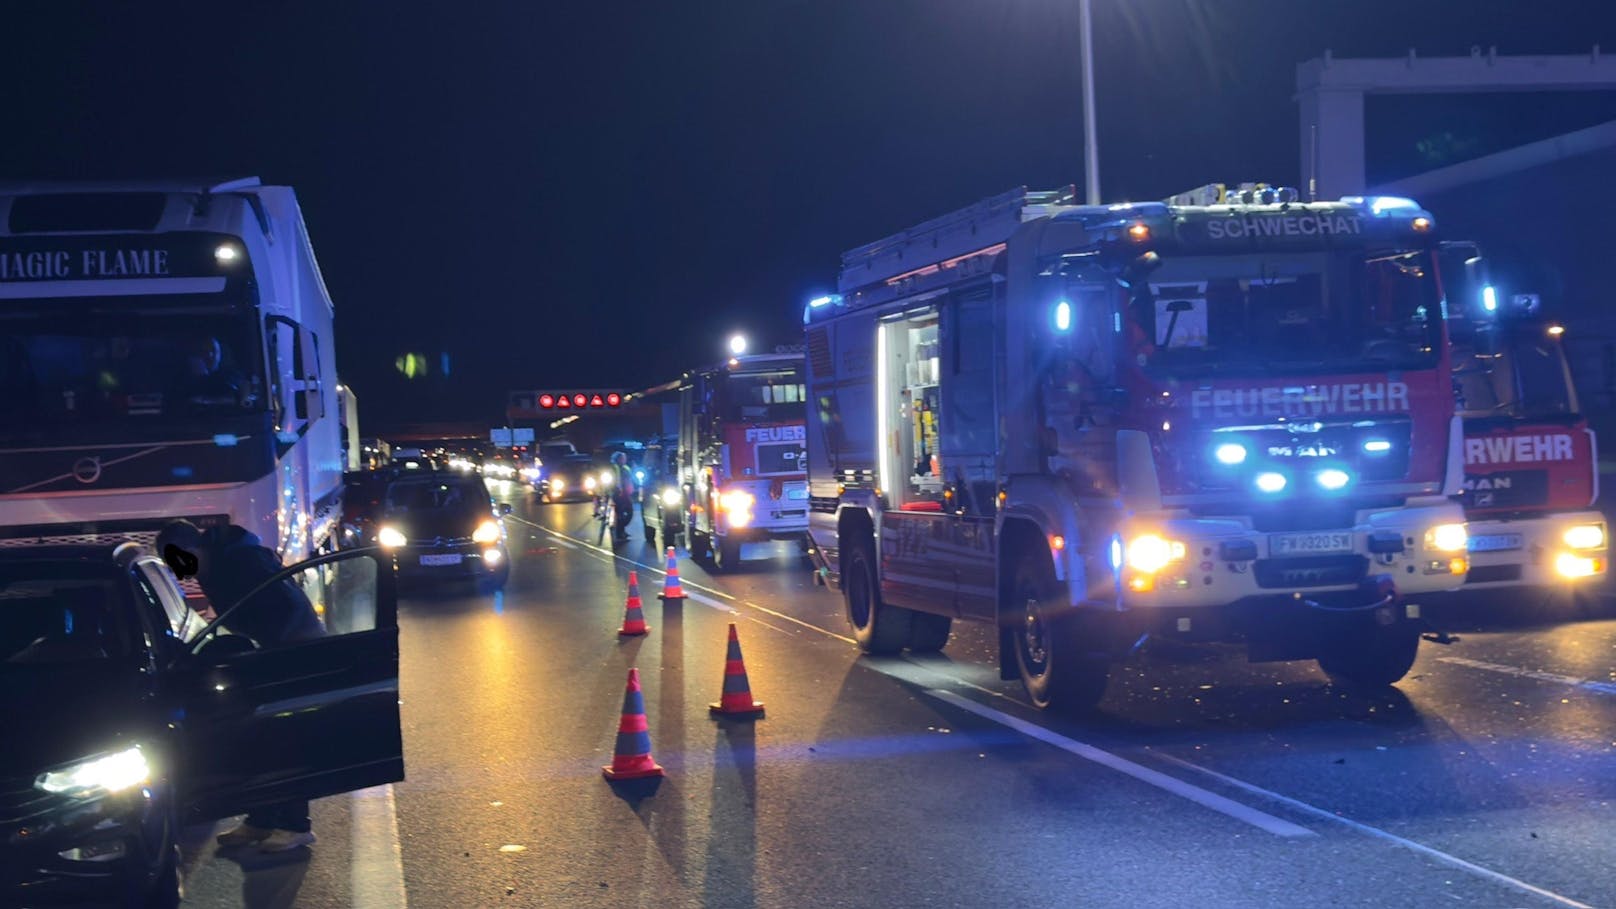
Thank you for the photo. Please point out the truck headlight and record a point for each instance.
(1149, 553)
(94, 777)
(1447, 538)
(391, 538)
(737, 505)
(1585, 536)
(1571, 565)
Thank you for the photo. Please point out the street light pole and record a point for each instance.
(1091, 145)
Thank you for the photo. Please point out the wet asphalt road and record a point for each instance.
(1486, 778)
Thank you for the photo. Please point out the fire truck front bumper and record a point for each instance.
(1181, 565)
(1549, 551)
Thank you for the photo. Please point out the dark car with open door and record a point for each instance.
(126, 715)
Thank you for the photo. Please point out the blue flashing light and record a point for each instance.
(1377, 446)
(1333, 478)
(1230, 453)
(1116, 554)
(1271, 482)
(1489, 298)
(182, 472)
(826, 300)
(226, 440)
(1063, 316)
(1383, 204)
(639, 476)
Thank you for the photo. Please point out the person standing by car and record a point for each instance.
(623, 492)
(229, 563)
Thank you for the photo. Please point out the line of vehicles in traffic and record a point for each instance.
(1233, 415)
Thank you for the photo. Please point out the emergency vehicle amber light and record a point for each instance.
(1139, 232)
(1575, 566)
(1421, 225)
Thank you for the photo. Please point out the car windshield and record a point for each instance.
(1301, 312)
(95, 360)
(454, 496)
(61, 612)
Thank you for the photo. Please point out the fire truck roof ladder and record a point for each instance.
(958, 233)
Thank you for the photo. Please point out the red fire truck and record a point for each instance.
(742, 464)
(1531, 464)
(1227, 416)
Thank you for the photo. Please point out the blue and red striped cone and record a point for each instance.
(631, 758)
(633, 617)
(671, 588)
(736, 700)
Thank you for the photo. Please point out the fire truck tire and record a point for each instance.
(729, 554)
(928, 631)
(650, 532)
(877, 627)
(699, 545)
(1055, 667)
(1373, 660)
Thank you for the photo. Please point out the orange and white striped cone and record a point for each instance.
(671, 588)
(631, 758)
(633, 617)
(736, 700)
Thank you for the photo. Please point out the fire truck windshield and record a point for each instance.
(91, 360)
(1518, 374)
(771, 397)
(1319, 312)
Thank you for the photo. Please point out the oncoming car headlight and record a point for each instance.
(1447, 538)
(391, 538)
(557, 485)
(1585, 536)
(589, 484)
(98, 776)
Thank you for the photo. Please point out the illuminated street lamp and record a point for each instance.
(737, 344)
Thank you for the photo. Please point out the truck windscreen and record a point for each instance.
(1519, 375)
(1261, 314)
(94, 360)
(773, 397)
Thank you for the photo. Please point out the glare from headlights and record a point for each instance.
(589, 484)
(1230, 453)
(605, 478)
(1270, 482)
(1447, 538)
(1151, 553)
(736, 500)
(486, 532)
(391, 538)
(557, 485)
(1585, 536)
(1333, 478)
(1571, 565)
(97, 776)
(670, 497)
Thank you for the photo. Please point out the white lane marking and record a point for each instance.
(705, 600)
(568, 543)
(1555, 677)
(377, 875)
(1437, 854)
(1205, 798)
(809, 625)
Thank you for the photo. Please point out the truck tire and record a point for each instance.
(698, 544)
(877, 627)
(1374, 659)
(729, 554)
(1055, 667)
(650, 532)
(928, 631)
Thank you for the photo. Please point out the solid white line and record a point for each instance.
(1376, 832)
(809, 625)
(377, 875)
(1206, 799)
(1570, 681)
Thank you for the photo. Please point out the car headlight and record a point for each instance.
(670, 497)
(98, 776)
(589, 484)
(605, 478)
(486, 532)
(391, 537)
(557, 485)
(1447, 538)
(1150, 553)
(1585, 536)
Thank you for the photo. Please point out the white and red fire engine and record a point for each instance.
(742, 461)
(1228, 416)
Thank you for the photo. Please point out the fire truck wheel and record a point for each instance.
(698, 544)
(1044, 632)
(1378, 658)
(928, 631)
(729, 554)
(877, 627)
(650, 533)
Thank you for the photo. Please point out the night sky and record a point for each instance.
(596, 194)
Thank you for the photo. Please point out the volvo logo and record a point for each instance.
(87, 470)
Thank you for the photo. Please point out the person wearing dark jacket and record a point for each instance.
(229, 563)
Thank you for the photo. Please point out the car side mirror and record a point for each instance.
(504, 508)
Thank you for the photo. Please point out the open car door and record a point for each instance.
(299, 720)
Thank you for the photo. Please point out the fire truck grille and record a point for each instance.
(1310, 571)
(1484, 574)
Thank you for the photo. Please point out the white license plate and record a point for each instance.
(1496, 542)
(1288, 544)
(452, 558)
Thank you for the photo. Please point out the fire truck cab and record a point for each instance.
(741, 459)
(1531, 458)
(1227, 416)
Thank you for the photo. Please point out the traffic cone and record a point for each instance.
(631, 759)
(737, 698)
(633, 618)
(671, 588)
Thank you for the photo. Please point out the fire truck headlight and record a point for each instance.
(1585, 536)
(1230, 453)
(1149, 553)
(1571, 565)
(670, 497)
(1447, 538)
(1271, 482)
(736, 501)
